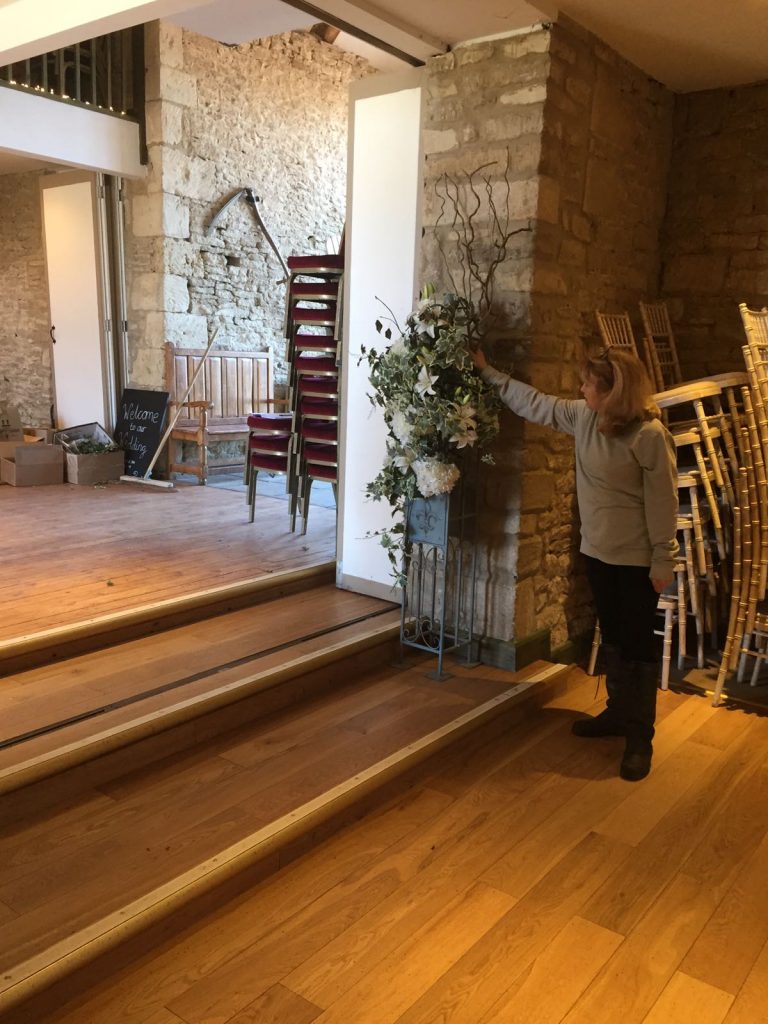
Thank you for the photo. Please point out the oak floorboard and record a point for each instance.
(462, 843)
(178, 965)
(635, 976)
(278, 1005)
(159, 834)
(45, 695)
(196, 687)
(629, 914)
(545, 992)
(408, 971)
(470, 988)
(687, 1000)
(641, 880)
(126, 547)
(751, 1004)
(473, 826)
(727, 948)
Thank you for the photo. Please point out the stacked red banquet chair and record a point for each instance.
(302, 444)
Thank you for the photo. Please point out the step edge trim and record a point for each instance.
(41, 971)
(78, 752)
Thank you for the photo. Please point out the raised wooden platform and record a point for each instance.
(74, 555)
(134, 837)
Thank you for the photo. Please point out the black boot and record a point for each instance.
(609, 722)
(640, 679)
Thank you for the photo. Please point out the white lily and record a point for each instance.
(424, 382)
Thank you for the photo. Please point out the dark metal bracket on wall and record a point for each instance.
(252, 200)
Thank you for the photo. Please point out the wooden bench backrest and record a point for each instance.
(237, 383)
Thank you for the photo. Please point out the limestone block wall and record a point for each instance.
(485, 104)
(25, 355)
(606, 145)
(271, 115)
(716, 231)
(589, 139)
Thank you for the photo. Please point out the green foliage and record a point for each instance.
(435, 406)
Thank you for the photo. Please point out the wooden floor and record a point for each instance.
(72, 553)
(145, 675)
(519, 882)
(68, 864)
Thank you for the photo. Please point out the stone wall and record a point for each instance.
(716, 232)
(25, 319)
(589, 139)
(604, 171)
(271, 115)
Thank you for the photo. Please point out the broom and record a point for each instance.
(147, 478)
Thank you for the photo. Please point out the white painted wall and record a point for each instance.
(47, 130)
(31, 27)
(72, 260)
(383, 227)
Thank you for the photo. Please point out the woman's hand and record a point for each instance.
(478, 358)
(660, 585)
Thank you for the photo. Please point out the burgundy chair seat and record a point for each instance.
(321, 454)
(265, 443)
(329, 473)
(269, 463)
(319, 430)
(323, 263)
(313, 291)
(314, 364)
(320, 408)
(321, 317)
(270, 420)
(318, 387)
(314, 342)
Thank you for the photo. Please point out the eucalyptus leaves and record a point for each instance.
(435, 405)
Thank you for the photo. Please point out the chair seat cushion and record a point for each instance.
(269, 463)
(317, 472)
(271, 420)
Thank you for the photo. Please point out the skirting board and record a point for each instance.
(513, 655)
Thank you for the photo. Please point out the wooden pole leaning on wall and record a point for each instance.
(147, 478)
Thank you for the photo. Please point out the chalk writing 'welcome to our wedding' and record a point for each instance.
(133, 411)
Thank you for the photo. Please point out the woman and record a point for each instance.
(626, 485)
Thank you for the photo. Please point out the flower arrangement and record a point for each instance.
(435, 406)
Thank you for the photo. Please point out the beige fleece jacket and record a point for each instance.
(626, 485)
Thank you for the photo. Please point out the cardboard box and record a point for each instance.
(70, 436)
(33, 465)
(95, 469)
(39, 434)
(10, 423)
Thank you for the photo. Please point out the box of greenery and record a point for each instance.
(91, 456)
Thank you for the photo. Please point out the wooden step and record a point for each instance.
(20, 653)
(171, 718)
(136, 852)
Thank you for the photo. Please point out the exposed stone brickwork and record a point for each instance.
(271, 115)
(589, 138)
(25, 320)
(716, 232)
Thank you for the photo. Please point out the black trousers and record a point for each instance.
(626, 607)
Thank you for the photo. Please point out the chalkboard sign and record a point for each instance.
(140, 419)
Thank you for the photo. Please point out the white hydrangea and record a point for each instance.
(434, 476)
(401, 427)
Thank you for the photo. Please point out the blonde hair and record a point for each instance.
(626, 388)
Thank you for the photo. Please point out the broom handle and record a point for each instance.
(180, 406)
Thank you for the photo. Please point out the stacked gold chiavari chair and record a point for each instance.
(757, 620)
(616, 330)
(660, 345)
(748, 615)
(740, 577)
(717, 467)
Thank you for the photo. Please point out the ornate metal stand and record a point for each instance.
(439, 598)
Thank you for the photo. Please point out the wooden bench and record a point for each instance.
(231, 386)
